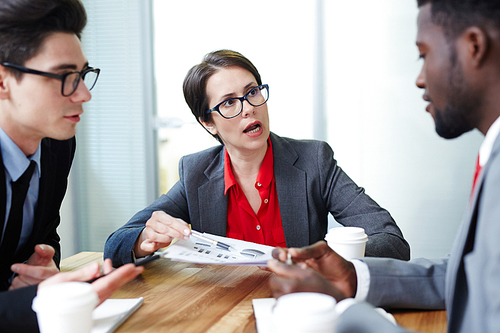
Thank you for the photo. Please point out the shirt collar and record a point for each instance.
(489, 140)
(229, 179)
(266, 171)
(14, 160)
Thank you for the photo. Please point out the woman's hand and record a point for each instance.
(160, 231)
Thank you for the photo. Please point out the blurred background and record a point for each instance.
(343, 72)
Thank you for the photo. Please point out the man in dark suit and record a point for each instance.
(459, 42)
(42, 68)
(44, 80)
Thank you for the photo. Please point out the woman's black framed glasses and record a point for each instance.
(69, 80)
(232, 107)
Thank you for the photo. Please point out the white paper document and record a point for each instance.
(201, 252)
(113, 312)
(263, 311)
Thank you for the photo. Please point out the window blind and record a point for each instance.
(114, 170)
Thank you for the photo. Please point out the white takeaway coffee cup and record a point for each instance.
(305, 313)
(65, 307)
(349, 242)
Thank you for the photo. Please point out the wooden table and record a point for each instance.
(184, 297)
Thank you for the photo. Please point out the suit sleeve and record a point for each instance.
(351, 206)
(120, 244)
(414, 284)
(16, 314)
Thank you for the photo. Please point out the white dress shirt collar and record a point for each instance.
(489, 140)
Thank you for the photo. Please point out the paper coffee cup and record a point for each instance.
(349, 242)
(305, 313)
(65, 307)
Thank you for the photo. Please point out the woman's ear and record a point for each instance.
(209, 126)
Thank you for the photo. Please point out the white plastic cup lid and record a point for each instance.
(305, 312)
(65, 297)
(346, 234)
(305, 302)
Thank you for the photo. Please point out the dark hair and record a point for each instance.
(195, 82)
(24, 25)
(454, 16)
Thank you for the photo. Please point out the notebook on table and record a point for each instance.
(113, 312)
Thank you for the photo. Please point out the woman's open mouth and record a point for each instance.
(252, 128)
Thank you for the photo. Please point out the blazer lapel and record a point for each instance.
(3, 193)
(293, 209)
(289, 182)
(213, 207)
(457, 253)
(455, 274)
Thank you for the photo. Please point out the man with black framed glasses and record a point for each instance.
(44, 81)
(42, 66)
(70, 80)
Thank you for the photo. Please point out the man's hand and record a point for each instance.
(106, 285)
(39, 267)
(292, 279)
(160, 231)
(321, 258)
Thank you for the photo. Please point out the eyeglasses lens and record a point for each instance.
(72, 80)
(255, 97)
(258, 96)
(70, 83)
(90, 79)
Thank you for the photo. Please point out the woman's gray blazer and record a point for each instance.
(309, 184)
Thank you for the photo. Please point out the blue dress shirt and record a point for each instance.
(15, 163)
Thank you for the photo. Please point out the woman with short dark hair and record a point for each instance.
(256, 186)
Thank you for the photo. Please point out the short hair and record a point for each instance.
(195, 82)
(24, 25)
(454, 16)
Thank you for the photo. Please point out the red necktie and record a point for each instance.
(476, 174)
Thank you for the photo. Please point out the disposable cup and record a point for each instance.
(349, 242)
(65, 307)
(305, 313)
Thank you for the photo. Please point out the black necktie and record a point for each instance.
(15, 221)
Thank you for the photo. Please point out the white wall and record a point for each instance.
(277, 36)
(376, 121)
(378, 126)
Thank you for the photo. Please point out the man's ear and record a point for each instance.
(4, 82)
(477, 43)
(209, 126)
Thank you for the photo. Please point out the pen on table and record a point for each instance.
(141, 262)
(201, 236)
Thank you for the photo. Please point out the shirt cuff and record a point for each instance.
(344, 305)
(363, 278)
(134, 259)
